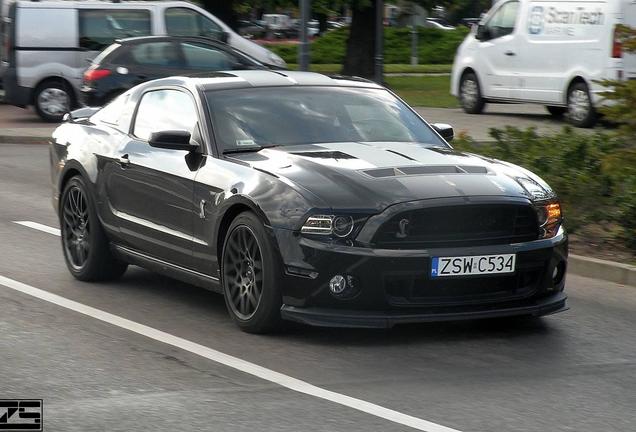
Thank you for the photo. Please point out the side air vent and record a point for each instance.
(424, 170)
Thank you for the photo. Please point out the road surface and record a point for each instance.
(575, 371)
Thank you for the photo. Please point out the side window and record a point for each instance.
(502, 23)
(98, 28)
(164, 110)
(206, 57)
(188, 22)
(164, 54)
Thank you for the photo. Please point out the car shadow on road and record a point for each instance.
(188, 299)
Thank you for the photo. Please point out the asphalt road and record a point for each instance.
(575, 371)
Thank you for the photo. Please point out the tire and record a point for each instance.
(86, 248)
(581, 112)
(252, 295)
(53, 99)
(556, 111)
(470, 94)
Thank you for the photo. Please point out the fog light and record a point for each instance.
(558, 273)
(337, 285)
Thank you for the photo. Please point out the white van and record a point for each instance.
(47, 44)
(546, 52)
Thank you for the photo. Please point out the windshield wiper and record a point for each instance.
(248, 149)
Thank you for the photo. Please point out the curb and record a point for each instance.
(21, 139)
(623, 274)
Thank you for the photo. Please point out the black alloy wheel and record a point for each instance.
(243, 272)
(85, 245)
(76, 227)
(250, 274)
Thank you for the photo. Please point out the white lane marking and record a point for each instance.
(228, 360)
(39, 226)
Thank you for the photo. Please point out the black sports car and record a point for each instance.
(323, 200)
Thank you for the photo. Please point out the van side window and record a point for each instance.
(188, 22)
(502, 23)
(161, 110)
(98, 28)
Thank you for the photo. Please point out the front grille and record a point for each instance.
(457, 226)
(419, 289)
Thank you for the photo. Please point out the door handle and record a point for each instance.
(510, 53)
(124, 161)
(142, 77)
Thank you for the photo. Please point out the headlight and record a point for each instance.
(337, 225)
(550, 219)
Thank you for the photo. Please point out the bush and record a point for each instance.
(593, 174)
(434, 46)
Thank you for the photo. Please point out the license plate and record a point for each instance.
(472, 265)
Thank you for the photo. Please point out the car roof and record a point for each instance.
(257, 78)
(267, 78)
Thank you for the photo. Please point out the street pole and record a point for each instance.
(379, 41)
(414, 60)
(303, 49)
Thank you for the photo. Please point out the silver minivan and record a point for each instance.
(46, 45)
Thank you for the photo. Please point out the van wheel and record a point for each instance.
(52, 100)
(470, 94)
(556, 111)
(581, 112)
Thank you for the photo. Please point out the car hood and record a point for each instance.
(363, 175)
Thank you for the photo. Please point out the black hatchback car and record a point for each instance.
(322, 200)
(129, 62)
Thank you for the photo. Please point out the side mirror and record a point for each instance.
(224, 37)
(445, 130)
(483, 33)
(172, 140)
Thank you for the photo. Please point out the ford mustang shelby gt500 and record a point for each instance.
(323, 200)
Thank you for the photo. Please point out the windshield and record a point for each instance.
(268, 116)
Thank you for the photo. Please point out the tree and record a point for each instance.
(359, 58)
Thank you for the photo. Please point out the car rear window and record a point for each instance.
(307, 115)
(98, 28)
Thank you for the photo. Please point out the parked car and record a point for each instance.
(250, 29)
(438, 23)
(47, 43)
(298, 196)
(553, 53)
(131, 61)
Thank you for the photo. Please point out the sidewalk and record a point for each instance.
(23, 126)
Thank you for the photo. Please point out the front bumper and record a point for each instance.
(394, 286)
(322, 317)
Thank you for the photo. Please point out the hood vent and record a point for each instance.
(325, 155)
(424, 170)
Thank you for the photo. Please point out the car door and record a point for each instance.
(497, 57)
(152, 191)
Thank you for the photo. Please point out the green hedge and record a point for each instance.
(593, 174)
(434, 46)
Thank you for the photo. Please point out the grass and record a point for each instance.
(424, 91)
(388, 68)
